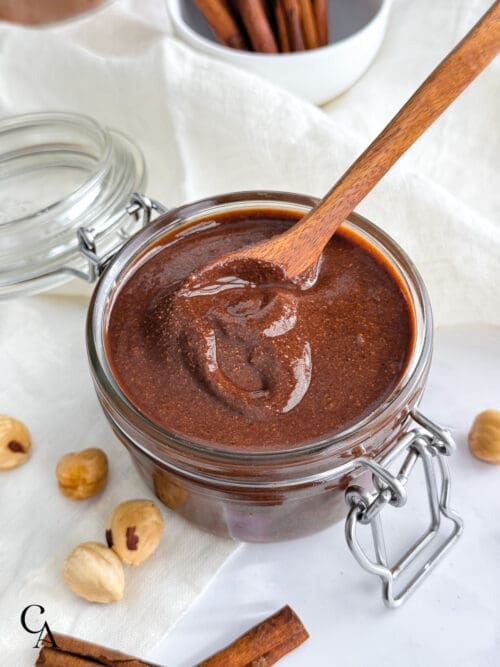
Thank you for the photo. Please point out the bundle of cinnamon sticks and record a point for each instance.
(268, 26)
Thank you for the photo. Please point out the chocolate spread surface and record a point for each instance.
(257, 366)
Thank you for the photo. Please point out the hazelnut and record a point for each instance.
(95, 573)
(134, 530)
(168, 491)
(15, 443)
(82, 474)
(484, 436)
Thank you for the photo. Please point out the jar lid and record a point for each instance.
(66, 183)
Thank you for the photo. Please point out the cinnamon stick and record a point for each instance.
(292, 12)
(254, 17)
(321, 13)
(309, 24)
(222, 22)
(71, 652)
(281, 27)
(264, 644)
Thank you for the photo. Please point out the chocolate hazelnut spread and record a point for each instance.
(246, 366)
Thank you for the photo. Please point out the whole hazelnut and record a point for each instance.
(484, 436)
(134, 530)
(95, 573)
(168, 491)
(82, 474)
(15, 443)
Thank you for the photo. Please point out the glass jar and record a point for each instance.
(67, 183)
(268, 496)
(71, 210)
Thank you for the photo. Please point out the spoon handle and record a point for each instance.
(437, 92)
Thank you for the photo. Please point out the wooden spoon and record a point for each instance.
(291, 256)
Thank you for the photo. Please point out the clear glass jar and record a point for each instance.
(61, 173)
(256, 496)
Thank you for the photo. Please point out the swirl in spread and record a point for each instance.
(244, 343)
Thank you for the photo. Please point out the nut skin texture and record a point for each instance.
(15, 443)
(95, 573)
(81, 475)
(170, 493)
(484, 436)
(134, 530)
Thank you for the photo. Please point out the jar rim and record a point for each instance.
(137, 246)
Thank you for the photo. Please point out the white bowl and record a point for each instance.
(357, 28)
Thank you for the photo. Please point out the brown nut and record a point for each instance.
(134, 530)
(168, 491)
(95, 573)
(82, 474)
(484, 436)
(15, 443)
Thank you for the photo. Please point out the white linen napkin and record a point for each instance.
(45, 382)
(207, 128)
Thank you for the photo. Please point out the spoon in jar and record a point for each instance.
(293, 255)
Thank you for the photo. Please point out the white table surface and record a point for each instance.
(453, 619)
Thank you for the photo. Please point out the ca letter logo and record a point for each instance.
(39, 631)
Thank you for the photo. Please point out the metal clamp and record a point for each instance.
(140, 209)
(429, 444)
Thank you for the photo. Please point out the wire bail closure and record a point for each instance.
(429, 444)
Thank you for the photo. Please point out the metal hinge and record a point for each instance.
(429, 444)
(141, 208)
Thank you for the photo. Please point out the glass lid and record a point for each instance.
(66, 184)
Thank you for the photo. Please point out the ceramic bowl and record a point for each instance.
(357, 28)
